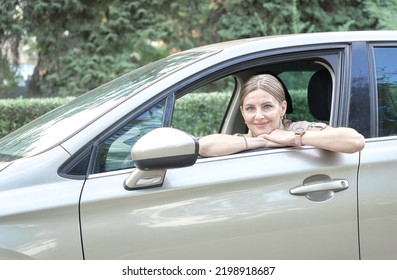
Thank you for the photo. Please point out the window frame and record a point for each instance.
(232, 67)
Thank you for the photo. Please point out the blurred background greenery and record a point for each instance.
(63, 48)
(77, 45)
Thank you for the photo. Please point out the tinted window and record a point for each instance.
(386, 80)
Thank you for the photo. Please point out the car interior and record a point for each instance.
(318, 89)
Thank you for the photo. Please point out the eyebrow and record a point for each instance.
(264, 103)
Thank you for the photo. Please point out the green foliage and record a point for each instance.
(87, 43)
(383, 13)
(82, 44)
(10, 35)
(300, 113)
(200, 113)
(243, 19)
(251, 18)
(79, 49)
(8, 78)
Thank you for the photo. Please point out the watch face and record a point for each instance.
(299, 130)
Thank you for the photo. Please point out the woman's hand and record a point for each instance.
(279, 138)
(339, 139)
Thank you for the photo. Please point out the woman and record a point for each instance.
(263, 106)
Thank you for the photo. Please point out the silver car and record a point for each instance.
(116, 174)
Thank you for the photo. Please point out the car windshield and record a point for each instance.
(54, 127)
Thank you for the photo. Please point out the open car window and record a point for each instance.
(213, 107)
(202, 111)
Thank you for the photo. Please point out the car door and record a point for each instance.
(377, 183)
(286, 203)
(234, 207)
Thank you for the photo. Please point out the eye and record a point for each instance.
(249, 109)
(267, 107)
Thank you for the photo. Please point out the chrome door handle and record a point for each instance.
(334, 185)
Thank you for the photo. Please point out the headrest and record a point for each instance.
(320, 95)
(287, 95)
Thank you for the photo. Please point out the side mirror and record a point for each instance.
(158, 150)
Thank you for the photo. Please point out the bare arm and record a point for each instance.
(341, 139)
(225, 144)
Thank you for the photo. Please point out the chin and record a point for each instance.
(257, 133)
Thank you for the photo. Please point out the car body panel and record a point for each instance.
(378, 199)
(237, 210)
(39, 220)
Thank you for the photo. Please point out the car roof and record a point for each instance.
(290, 40)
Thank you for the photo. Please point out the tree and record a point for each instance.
(86, 43)
(10, 37)
(383, 13)
(248, 18)
(82, 44)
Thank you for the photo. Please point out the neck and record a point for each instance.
(281, 126)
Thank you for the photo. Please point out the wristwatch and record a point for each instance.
(299, 132)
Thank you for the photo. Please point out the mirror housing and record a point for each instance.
(158, 150)
(165, 148)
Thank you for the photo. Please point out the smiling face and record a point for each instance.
(262, 112)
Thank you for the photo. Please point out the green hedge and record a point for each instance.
(201, 113)
(300, 106)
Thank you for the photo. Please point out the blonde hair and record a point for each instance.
(266, 82)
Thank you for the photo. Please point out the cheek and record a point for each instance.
(248, 118)
(274, 115)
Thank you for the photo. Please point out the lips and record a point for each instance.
(260, 125)
(261, 128)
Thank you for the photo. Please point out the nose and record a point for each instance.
(259, 114)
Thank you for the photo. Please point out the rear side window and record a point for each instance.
(386, 81)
